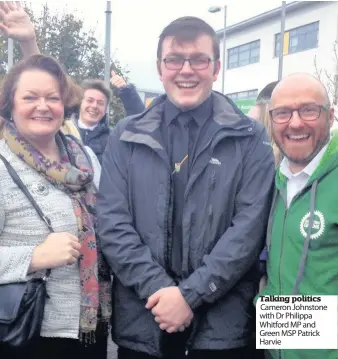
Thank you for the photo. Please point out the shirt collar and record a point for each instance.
(308, 170)
(200, 114)
(85, 127)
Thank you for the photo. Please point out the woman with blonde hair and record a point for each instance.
(260, 112)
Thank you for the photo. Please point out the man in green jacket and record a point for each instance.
(303, 261)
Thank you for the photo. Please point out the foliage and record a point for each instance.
(64, 36)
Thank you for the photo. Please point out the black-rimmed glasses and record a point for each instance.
(196, 63)
(307, 112)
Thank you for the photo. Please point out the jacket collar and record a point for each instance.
(101, 127)
(328, 162)
(200, 114)
(144, 128)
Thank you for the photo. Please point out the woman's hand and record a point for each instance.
(59, 249)
(16, 23)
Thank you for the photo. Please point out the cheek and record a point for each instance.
(58, 111)
(168, 77)
(318, 130)
(277, 131)
(22, 112)
(208, 76)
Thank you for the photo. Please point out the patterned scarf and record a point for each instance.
(74, 176)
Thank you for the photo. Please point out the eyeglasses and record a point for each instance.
(196, 63)
(307, 112)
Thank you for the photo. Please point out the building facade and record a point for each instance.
(252, 47)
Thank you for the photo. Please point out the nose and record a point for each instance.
(42, 104)
(94, 105)
(296, 121)
(186, 69)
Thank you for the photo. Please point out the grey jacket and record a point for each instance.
(224, 221)
(21, 230)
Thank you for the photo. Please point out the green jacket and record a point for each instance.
(287, 236)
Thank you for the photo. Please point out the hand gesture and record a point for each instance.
(16, 23)
(59, 249)
(117, 80)
(170, 309)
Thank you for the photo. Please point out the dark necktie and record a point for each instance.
(180, 147)
(180, 161)
(173, 345)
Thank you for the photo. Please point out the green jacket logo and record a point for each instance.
(318, 225)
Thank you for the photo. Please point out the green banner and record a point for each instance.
(245, 105)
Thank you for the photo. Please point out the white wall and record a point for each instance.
(256, 76)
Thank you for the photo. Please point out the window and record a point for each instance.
(298, 39)
(244, 55)
(243, 95)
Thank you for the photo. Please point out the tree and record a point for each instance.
(329, 80)
(117, 112)
(63, 36)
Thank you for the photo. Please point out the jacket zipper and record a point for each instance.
(279, 267)
(85, 139)
(192, 178)
(280, 354)
(191, 339)
(285, 215)
(281, 254)
(168, 229)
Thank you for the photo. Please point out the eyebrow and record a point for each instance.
(195, 54)
(302, 104)
(35, 92)
(92, 98)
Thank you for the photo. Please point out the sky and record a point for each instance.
(137, 24)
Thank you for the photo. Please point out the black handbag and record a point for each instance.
(22, 304)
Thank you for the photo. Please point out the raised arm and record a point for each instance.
(16, 24)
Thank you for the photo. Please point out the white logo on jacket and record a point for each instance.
(215, 161)
(318, 226)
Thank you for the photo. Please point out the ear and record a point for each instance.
(159, 70)
(331, 116)
(217, 68)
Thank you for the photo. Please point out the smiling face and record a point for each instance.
(187, 88)
(299, 140)
(93, 107)
(38, 110)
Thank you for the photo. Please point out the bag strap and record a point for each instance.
(24, 189)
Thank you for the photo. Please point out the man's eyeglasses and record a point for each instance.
(196, 63)
(307, 112)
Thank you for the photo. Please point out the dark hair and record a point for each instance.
(71, 94)
(266, 92)
(98, 85)
(188, 29)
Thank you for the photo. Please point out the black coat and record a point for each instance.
(227, 203)
(96, 139)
